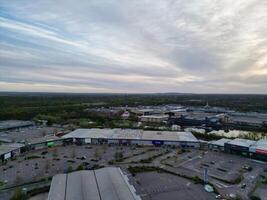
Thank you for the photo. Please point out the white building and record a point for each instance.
(134, 137)
(154, 118)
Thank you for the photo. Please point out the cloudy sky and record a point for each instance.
(129, 46)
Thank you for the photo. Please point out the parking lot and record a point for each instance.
(232, 175)
(158, 186)
(220, 166)
(225, 171)
(261, 186)
(48, 162)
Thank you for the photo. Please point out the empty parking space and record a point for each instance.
(158, 186)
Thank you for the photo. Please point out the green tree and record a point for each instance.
(118, 156)
(18, 195)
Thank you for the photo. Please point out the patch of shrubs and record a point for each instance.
(32, 157)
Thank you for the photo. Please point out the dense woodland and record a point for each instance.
(59, 108)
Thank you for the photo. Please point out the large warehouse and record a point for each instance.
(133, 136)
(101, 184)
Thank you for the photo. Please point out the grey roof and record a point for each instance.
(221, 142)
(145, 110)
(245, 119)
(102, 184)
(46, 138)
(242, 142)
(134, 134)
(58, 187)
(155, 116)
(6, 148)
(260, 145)
(8, 124)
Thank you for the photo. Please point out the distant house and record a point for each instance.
(125, 115)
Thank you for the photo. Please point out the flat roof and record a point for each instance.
(260, 145)
(247, 119)
(43, 139)
(242, 142)
(9, 124)
(134, 134)
(102, 184)
(221, 142)
(6, 148)
(155, 116)
(145, 110)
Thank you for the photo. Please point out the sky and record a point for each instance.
(140, 46)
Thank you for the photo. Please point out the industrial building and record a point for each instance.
(143, 112)
(154, 118)
(44, 142)
(239, 146)
(133, 137)
(101, 184)
(14, 124)
(8, 151)
(219, 144)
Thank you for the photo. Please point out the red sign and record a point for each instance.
(261, 151)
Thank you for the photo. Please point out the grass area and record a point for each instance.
(20, 195)
(141, 169)
(45, 179)
(120, 158)
(150, 159)
(260, 182)
(32, 157)
(2, 184)
(237, 180)
(123, 123)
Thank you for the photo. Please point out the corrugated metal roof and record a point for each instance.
(242, 142)
(82, 185)
(260, 145)
(102, 184)
(221, 142)
(132, 134)
(58, 187)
